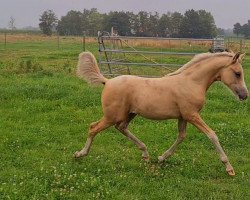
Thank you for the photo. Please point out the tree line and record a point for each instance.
(242, 29)
(191, 24)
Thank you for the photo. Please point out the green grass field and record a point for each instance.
(45, 112)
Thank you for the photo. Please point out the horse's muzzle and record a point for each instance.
(242, 93)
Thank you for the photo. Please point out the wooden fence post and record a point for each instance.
(83, 42)
(58, 41)
(5, 40)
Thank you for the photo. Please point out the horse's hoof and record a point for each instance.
(231, 172)
(160, 159)
(77, 154)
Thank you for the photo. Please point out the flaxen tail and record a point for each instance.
(87, 69)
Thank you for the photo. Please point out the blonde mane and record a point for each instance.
(197, 58)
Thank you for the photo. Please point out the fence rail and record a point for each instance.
(107, 37)
(148, 52)
(140, 64)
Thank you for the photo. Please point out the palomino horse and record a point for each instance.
(179, 95)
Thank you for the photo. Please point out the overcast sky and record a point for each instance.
(26, 12)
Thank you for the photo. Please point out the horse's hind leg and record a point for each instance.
(94, 128)
(123, 128)
(182, 124)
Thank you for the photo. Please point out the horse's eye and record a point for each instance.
(238, 74)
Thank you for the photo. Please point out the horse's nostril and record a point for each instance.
(243, 96)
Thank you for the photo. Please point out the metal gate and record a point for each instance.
(146, 56)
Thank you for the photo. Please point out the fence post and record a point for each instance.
(58, 45)
(5, 40)
(169, 43)
(241, 42)
(83, 42)
(228, 45)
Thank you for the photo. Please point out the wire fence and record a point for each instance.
(10, 41)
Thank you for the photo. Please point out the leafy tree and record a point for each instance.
(93, 22)
(48, 22)
(237, 29)
(78, 23)
(119, 21)
(153, 25)
(71, 24)
(207, 24)
(190, 24)
(175, 21)
(198, 24)
(164, 25)
(246, 29)
(147, 24)
(132, 22)
(141, 24)
(170, 24)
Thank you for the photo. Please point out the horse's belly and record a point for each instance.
(159, 112)
(159, 116)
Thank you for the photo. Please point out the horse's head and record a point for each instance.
(233, 77)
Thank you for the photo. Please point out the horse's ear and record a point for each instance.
(236, 57)
(242, 57)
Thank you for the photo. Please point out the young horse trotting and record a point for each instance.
(179, 95)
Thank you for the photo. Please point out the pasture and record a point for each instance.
(45, 113)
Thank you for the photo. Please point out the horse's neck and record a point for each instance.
(205, 72)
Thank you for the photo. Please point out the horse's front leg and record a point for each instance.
(182, 124)
(197, 121)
